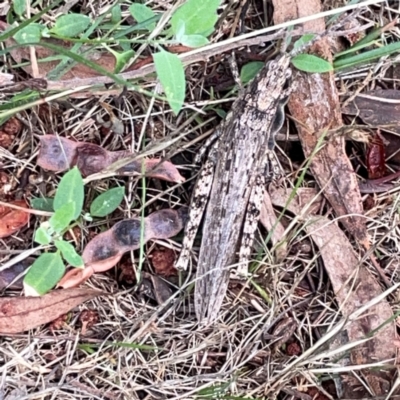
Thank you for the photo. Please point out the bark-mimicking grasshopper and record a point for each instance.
(232, 184)
(232, 181)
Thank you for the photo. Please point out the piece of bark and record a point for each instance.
(354, 286)
(315, 108)
(58, 154)
(18, 314)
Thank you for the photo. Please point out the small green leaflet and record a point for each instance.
(70, 190)
(193, 40)
(250, 70)
(121, 59)
(107, 202)
(199, 16)
(44, 274)
(303, 40)
(142, 13)
(29, 34)
(42, 236)
(42, 203)
(70, 25)
(170, 71)
(62, 217)
(69, 253)
(19, 7)
(116, 14)
(311, 64)
(189, 40)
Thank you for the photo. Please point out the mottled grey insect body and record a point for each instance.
(235, 174)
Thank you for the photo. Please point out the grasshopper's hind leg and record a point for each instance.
(198, 203)
(272, 171)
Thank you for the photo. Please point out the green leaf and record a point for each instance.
(29, 34)
(180, 30)
(19, 7)
(310, 63)
(170, 71)
(69, 253)
(12, 31)
(120, 58)
(116, 14)
(42, 236)
(193, 40)
(62, 217)
(44, 274)
(363, 58)
(250, 70)
(42, 203)
(303, 40)
(70, 25)
(69, 190)
(142, 13)
(199, 16)
(107, 202)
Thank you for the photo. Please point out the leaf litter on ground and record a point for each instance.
(214, 361)
(19, 314)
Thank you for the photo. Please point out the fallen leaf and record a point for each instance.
(11, 219)
(375, 110)
(158, 290)
(59, 154)
(8, 276)
(88, 318)
(18, 314)
(163, 260)
(5, 186)
(106, 249)
(12, 126)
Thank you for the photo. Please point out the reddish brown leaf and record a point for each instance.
(12, 126)
(5, 186)
(88, 319)
(8, 131)
(11, 219)
(163, 262)
(18, 314)
(107, 248)
(59, 154)
(376, 158)
(5, 139)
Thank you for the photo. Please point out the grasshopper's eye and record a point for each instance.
(288, 73)
(271, 65)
